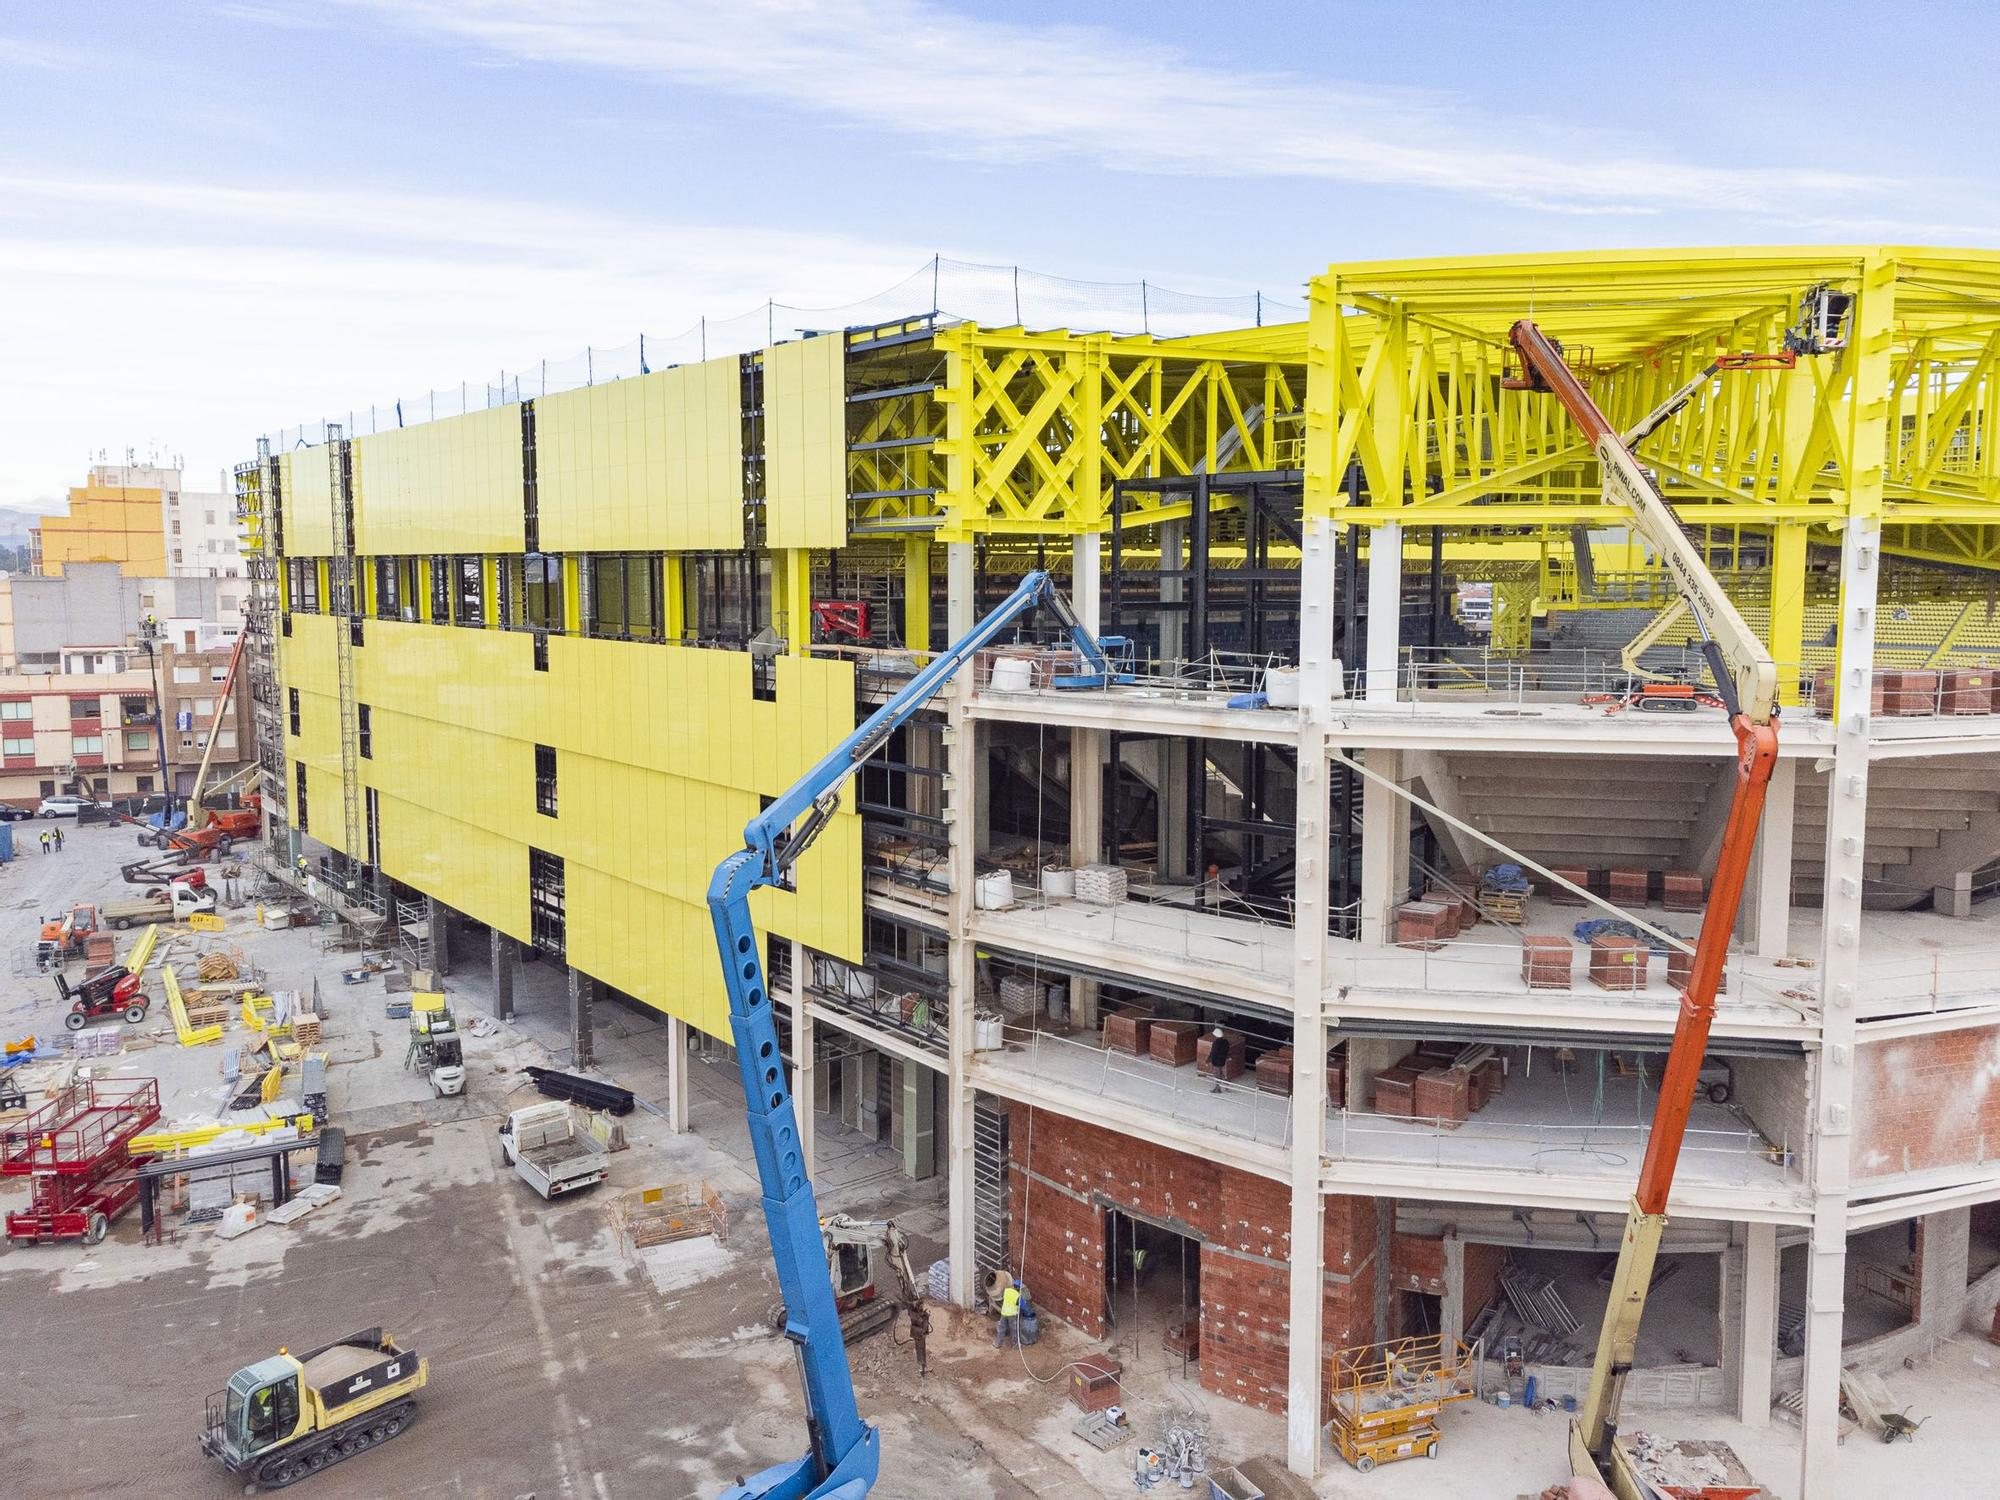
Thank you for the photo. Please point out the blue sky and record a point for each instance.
(220, 218)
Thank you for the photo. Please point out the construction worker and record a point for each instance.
(1009, 1326)
(45, 841)
(57, 834)
(1218, 1058)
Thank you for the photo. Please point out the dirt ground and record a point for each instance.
(564, 1363)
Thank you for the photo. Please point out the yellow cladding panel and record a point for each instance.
(662, 753)
(453, 485)
(307, 475)
(805, 443)
(649, 464)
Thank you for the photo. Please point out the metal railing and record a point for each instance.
(1256, 945)
(1178, 1094)
(1738, 1156)
(1947, 979)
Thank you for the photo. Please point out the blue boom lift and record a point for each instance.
(846, 1451)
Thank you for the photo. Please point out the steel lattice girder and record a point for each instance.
(1407, 359)
(1040, 426)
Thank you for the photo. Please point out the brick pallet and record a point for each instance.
(1274, 1071)
(1618, 962)
(1547, 962)
(1394, 1090)
(1911, 694)
(1128, 1031)
(1442, 1094)
(1680, 969)
(1629, 887)
(1173, 1042)
(1823, 692)
(1558, 896)
(1966, 690)
(1424, 924)
(1683, 890)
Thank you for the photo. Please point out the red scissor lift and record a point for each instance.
(73, 1147)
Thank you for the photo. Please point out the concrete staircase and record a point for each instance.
(1928, 822)
(1580, 809)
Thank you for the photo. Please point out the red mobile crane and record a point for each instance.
(1746, 680)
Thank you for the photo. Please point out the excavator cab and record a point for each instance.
(258, 1409)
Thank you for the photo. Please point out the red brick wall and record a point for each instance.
(1245, 1224)
(1926, 1101)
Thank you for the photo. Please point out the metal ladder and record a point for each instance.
(989, 1189)
(345, 606)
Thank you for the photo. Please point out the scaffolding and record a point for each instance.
(258, 498)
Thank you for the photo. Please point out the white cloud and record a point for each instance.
(1001, 91)
(217, 312)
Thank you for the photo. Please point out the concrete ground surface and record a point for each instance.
(563, 1362)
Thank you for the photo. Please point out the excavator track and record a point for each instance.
(323, 1450)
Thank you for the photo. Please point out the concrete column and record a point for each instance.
(582, 991)
(1385, 844)
(1865, 366)
(1385, 610)
(1087, 579)
(964, 774)
(919, 1122)
(805, 1065)
(1451, 1306)
(1944, 1241)
(1083, 997)
(960, 607)
(435, 912)
(1171, 804)
(504, 957)
(1729, 1333)
(1760, 1325)
(677, 1080)
(1769, 902)
(1173, 589)
(1086, 796)
(1305, 1365)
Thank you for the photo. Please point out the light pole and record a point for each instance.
(149, 637)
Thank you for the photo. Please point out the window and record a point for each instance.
(304, 585)
(144, 784)
(470, 601)
(87, 744)
(545, 780)
(374, 829)
(624, 598)
(531, 592)
(85, 708)
(216, 674)
(541, 652)
(186, 675)
(292, 697)
(388, 589)
(546, 923)
(440, 591)
(48, 789)
(723, 594)
(17, 708)
(138, 739)
(299, 796)
(226, 740)
(366, 732)
(136, 710)
(14, 747)
(204, 708)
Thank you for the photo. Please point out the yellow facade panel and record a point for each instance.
(306, 478)
(649, 464)
(453, 485)
(805, 443)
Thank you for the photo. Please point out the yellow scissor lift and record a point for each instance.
(1387, 1397)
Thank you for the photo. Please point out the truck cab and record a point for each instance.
(255, 1412)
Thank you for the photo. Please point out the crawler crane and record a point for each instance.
(1746, 680)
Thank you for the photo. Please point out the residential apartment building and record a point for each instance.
(141, 518)
(1150, 967)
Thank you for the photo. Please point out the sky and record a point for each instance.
(221, 218)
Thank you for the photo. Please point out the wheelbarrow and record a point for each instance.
(1897, 1424)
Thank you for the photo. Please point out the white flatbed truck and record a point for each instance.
(549, 1150)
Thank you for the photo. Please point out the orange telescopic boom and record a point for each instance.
(1746, 680)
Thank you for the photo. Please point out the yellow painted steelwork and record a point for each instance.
(645, 464)
(805, 443)
(1039, 426)
(447, 486)
(306, 477)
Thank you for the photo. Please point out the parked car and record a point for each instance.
(65, 806)
(11, 812)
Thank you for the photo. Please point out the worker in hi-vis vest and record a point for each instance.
(1009, 1326)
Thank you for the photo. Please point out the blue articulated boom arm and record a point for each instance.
(845, 1450)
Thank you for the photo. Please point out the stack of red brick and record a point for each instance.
(1129, 1030)
(1425, 924)
(1427, 1085)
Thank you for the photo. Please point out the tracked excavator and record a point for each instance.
(1746, 684)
